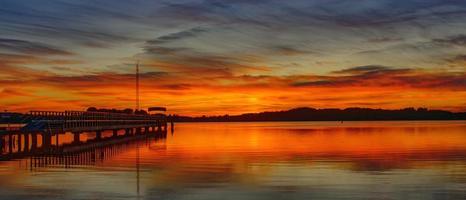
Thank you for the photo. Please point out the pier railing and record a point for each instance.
(84, 115)
(69, 120)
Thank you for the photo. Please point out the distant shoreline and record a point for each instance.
(338, 115)
(409, 120)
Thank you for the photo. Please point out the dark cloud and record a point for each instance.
(157, 50)
(455, 81)
(289, 50)
(460, 58)
(370, 69)
(383, 76)
(457, 61)
(27, 47)
(177, 86)
(385, 39)
(457, 40)
(151, 75)
(326, 83)
(102, 79)
(177, 36)
(362, 69)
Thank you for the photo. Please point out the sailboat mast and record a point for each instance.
(137, 86)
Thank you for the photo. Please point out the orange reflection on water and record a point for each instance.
(200, 153)
(347, 138)
(284, 141)
(267, 157)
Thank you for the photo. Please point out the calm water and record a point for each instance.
(309, 160)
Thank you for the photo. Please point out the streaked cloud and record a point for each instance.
(368, 69)
(457, 40)
(457, 61)
(26, 47)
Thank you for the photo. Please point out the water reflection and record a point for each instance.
(309, 160)
(69, 149)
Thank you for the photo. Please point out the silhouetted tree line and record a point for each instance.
(113, 110)
(348, 114)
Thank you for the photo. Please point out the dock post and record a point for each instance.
(46, 140)
(26, 142)
(19, 142)
(159, 126)
(2, 144)
(57, 138)
(10, 143)
(76, 137)
(98, 135)
(33, 141)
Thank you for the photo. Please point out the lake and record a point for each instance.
(261, 160)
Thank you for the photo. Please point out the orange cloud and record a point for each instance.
(369, 86)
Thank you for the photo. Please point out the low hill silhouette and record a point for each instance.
(348, 114)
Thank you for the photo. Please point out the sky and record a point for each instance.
(213, 57)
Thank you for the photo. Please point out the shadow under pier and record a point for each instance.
(68, 148)
(90, 152)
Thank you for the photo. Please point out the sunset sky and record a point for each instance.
(232, 56)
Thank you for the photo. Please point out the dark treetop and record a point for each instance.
(348, 114)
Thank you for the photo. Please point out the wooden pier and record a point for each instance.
(40, 132)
